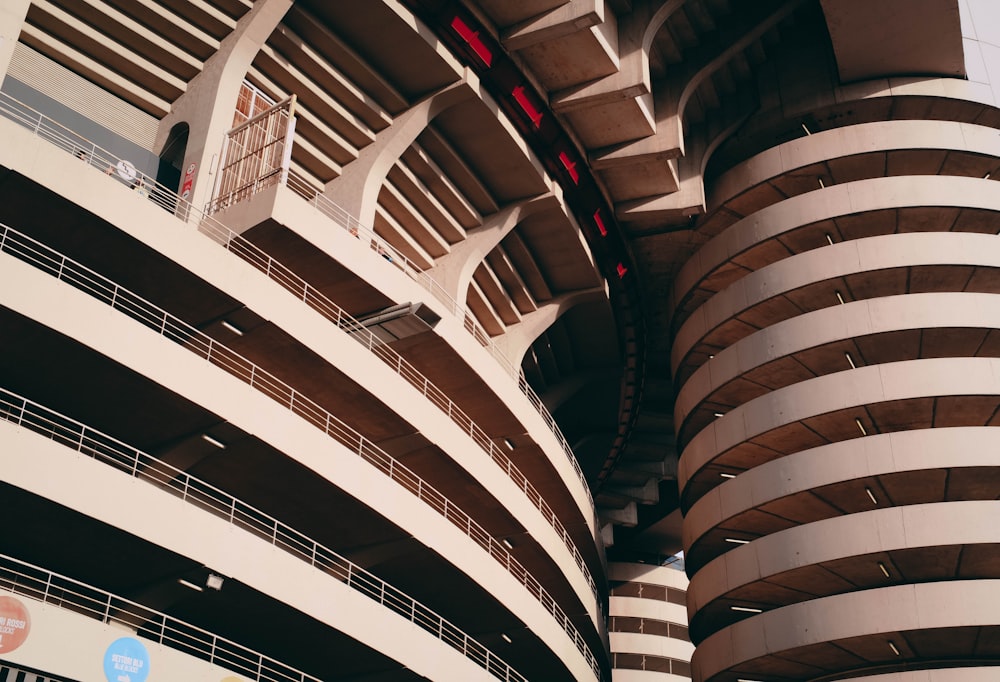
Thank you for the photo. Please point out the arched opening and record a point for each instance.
(172, 159)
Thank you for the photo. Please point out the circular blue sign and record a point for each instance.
(126, 660)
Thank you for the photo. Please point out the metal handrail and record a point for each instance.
(287, 278)
(324, 306)
(34, 582)
(344, 219)
(103, 289)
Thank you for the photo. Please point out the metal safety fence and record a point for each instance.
(67, 270)
(27, 580)
(93, 155)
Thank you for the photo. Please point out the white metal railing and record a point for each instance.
(348, 222)
(163, 196)
(67, 270)
(287, 278)
(314, 299)
(341, 217)
(21, 578)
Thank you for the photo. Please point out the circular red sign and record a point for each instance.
(14, 624)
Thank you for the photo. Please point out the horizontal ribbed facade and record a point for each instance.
(610, 340)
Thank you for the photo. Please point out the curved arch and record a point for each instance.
(357, 188)
(518, 338)
(691, 81)
(660, 17)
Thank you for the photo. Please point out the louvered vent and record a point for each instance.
(56, 81)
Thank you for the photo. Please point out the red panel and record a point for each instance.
(521, 97)
(599, 221)
(472, 38)
(570, 166)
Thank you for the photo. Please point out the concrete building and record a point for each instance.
(393, 340)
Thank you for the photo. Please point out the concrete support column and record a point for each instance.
(518, 338)
(454, 270)
(670, 98)
(12, 15)
(689, 198)
(567, 19)
(636, 31)
(357, 188)
(210, 100)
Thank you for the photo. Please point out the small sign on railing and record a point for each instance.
(188, 181)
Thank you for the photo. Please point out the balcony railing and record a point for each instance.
(285, 277)
(93, 155)
(298, 287)
(67, 270)
(348, 222)
(33, 582)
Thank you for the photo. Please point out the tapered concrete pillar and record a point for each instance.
(210, 100)
(518, 338)
(357, 188)
(454, 271)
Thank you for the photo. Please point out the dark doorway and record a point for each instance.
(172, 162)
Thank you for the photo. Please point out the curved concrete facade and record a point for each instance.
(481, 312)
(831, 340)
(805, 640)
(837, 403)
(648, 623)
(866, 268)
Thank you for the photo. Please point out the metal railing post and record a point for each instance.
(453, 411)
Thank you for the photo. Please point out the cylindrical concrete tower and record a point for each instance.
(838, 368)
(647, 622)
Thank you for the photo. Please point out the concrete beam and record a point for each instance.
(626, 516)
(574, 16)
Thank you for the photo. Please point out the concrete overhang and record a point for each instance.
(895, 38)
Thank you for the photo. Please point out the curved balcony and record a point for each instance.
(922, 626)
(872, 267)
(921, 325)
(217, 354)
(850, 153)
(908, 395)
(59, 591)
(95, 156)
(923, 466)
(865, 550)
(821, 217)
